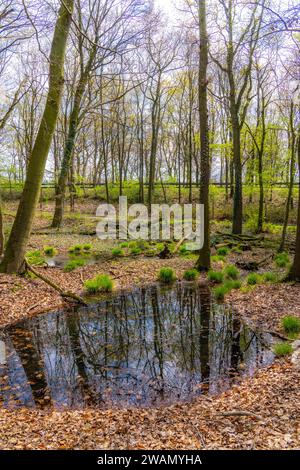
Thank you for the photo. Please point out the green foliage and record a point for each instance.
(270, 277)
(253, 279)
(75, 249)
(215, 276)
(217, 258)
(220, 292)
(35, 258)
(73, 264)
(282, 349)
(282, 259)
(291, 324)
(166, 275)
(190, 275)
(100, 283)
(232, 284)
(124, 245)
(50, 251)
(117, 252)
(223, 251)
(87, 247)
(183, 250)
(135, 250)
(231, 272)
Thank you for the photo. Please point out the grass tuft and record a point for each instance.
(73, 264)
(253, 279)
(215, 276)
(231, 272)
(117, 252)
(223, 251)
(50, 251)
(190, 275)
(291, 324)
(282, 349)
(100, 283)
(166, 275)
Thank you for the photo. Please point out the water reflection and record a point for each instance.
(146, 347)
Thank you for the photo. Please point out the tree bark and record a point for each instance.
(17, 242)
(203, 262)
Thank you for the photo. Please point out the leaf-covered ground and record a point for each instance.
(271, 400)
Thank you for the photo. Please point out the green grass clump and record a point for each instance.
(35, 258)
(50, 251)
(117, 252)
(166, 275)
(100, 283)
(220, 292)
(282, 259)
(253, 279)
(190, 275)
(216, 258)
(124, 245)
(135, 251)
(183, 250)
(291, 325)
(282, 349)
(73, 264)
(270, 277)
(87, 247)
(232, 284)
(231, 272)
(222, 251)
(75, 249)
(215, 276)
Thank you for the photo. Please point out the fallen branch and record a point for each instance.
(63, 293)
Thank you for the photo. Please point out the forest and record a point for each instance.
(133, 338)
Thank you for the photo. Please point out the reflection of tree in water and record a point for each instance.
(143, 347)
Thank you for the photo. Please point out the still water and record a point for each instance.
(148, 347)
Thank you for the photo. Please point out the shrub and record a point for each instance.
(100, 283)
(215, 276)
(253, 279)
(220, 292)
(282, 259)
(50, 251)
(190, 275)
(87, 247)
(117, 252)
(166, 275)
(291, 324)
(270, 277)
(231, 272)
(222, 251)
(282, 349)
(73, 264)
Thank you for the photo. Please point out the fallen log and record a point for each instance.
(63, 293)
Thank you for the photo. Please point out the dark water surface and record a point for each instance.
(148, 347)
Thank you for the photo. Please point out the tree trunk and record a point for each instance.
(70, 142)
(17, 242)
(203, 262)
(2, 240)
(294, 274)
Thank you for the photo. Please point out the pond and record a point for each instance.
(149, 347)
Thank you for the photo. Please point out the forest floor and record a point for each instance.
(270, 422)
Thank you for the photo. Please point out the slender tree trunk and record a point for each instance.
(2, 240)
(203, 262)
(294, 274)
(70, 142)
(17, 242)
